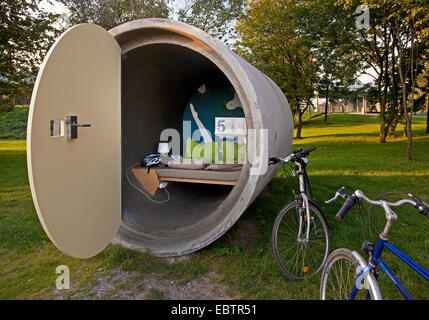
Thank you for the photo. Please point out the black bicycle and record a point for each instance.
(300, 237)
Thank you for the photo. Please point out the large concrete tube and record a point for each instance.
(165, 61)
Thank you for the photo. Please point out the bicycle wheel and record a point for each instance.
(339, 277)
(297, 257)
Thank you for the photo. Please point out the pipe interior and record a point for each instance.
(157, 82)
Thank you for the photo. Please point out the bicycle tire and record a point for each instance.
(310, 265)
(350, 263)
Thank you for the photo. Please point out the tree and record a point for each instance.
(374, 45)
(406, 20)
(26, 32)
(330, 31)
(216, 17)
(422, 89)
(273, 37)
(110, 13)
(392, 46)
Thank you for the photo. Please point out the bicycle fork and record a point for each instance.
(306, 217)
(306, 206)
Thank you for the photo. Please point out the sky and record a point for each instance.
(56, 7)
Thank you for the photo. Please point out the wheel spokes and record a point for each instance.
(301, 256)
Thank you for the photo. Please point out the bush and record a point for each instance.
(13, 125)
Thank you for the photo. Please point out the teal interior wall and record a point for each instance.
(210, 103)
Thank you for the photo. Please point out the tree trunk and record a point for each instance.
(402, 76)
(407, 128)
(427, 115)
(326, 103)
(299, 127)
(413, 63)
(407, 120)
(396, 108)
(410, 140)
(382, 138)
(382, 124)
(392, 128)
(385, 122)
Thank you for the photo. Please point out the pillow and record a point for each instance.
(190, 145)
(189, 164)
(207, 151)
(195, 150)
(232, 152)
(224, 167)
(229, 152)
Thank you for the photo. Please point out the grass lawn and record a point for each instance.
(347, 154)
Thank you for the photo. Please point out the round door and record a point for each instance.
(74, 141)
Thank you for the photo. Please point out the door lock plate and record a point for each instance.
(73, 125)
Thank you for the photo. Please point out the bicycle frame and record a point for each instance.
(383, 242)
(377, 261)
(303, 196)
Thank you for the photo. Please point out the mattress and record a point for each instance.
(198, 174)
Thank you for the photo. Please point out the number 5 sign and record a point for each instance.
(230, 127)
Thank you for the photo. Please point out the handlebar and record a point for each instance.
(347, 205)
(294, 156)
(300, 153)
(350, 201)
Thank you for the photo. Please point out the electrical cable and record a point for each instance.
(141, 191)
(291, 182)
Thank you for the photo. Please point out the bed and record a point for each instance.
(150, 179)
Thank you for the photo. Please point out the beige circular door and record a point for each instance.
(74, 141)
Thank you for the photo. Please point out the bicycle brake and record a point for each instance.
(422, 207)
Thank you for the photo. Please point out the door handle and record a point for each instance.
(72, 126)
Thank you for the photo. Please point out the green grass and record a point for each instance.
(13, 124)
(347, 154)
(154, 294)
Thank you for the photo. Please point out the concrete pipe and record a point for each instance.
(163, 64)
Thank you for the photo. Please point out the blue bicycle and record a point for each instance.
(346, 275)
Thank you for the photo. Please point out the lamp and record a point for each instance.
(163, 149)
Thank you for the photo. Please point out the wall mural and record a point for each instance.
(211, 101)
